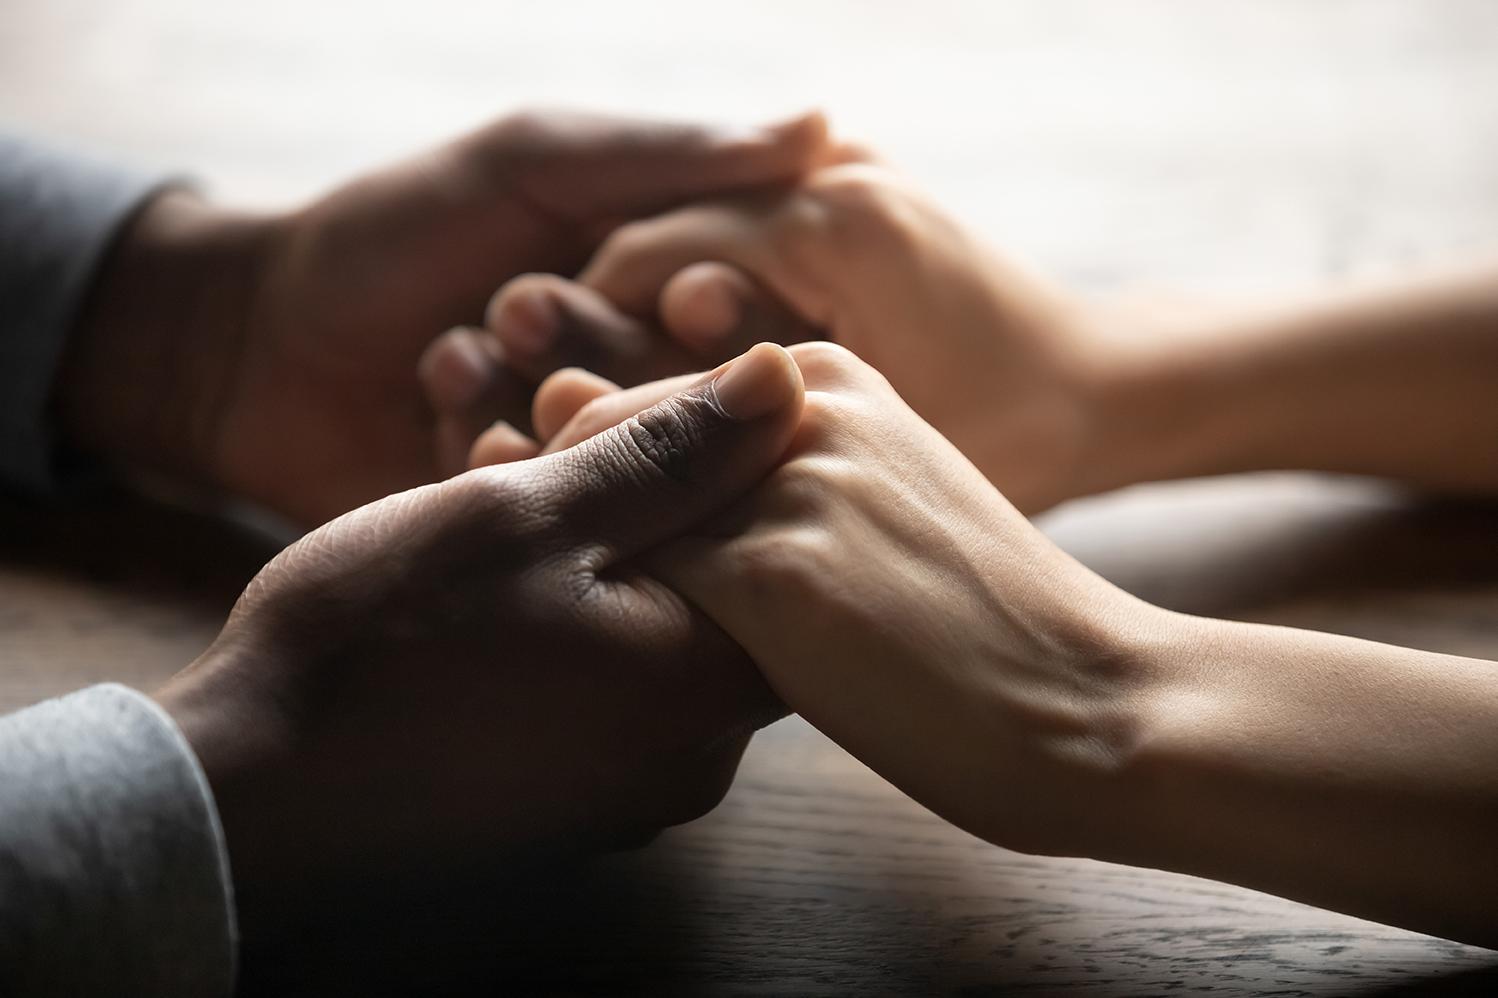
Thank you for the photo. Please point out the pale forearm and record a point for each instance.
(1397, 382)
(895, 601)
(1348, 774)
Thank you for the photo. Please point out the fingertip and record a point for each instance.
(501, 444)
(524, 316)
(562, 395)
(763, 381)
(702, 304)
(455, 369)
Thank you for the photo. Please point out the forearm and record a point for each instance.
(1396, 383)
(1348, 774)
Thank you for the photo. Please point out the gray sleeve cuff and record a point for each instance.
(59, 212)
(114, 879)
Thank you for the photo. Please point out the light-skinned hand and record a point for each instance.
(1011, 369)
(895, 599)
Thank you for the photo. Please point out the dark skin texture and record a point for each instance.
(289, 359)
(463, 674)
(474, 672)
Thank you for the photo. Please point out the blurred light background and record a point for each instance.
(1214, 144)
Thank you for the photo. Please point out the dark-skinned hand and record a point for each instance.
(475, 671)
(298, 359)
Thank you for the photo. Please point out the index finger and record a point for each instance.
(606, 410)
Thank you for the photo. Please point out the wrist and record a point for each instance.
(152, 359)
(1169, 402)
(244, 747)
(1152, 793)
(1132, 673)
(1082, 674)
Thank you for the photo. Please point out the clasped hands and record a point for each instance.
(569, 645)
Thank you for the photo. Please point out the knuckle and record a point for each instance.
(830, 476)
(802, 490)
(829, 367)
(855, 188)
(811, 487)
(517, 145)
(759, 561)
(822, 418)
(476, 492)
(498, 504)
(628, 241)
(821, 358)
(864, 203)
(789, 559)
(522, 128)
(665, 436)
(832, 407)
(799, 221)
(846, 213)
(851, 426)
(813, 554)
(797, 495)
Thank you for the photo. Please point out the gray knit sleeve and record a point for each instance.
(59, 212)
(113, 875)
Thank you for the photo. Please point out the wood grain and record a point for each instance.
(815, 876)
(1207, 144)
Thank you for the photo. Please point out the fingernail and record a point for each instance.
(528, 321)
(758, 383)
(468, 371)
(710, 309)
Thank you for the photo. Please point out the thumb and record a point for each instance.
(586, 167)
(661, 472)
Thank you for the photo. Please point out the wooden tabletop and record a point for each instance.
(815, 876)
(1206, 144)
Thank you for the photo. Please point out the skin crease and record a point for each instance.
(1006, 365)
(477, 673)
(1284, 760)
(896, 600)
(936, 527)
(302, 374)
(290, 359)
(1050, 395)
